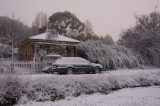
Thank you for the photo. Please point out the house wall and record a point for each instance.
(27, 50)
(71, 51)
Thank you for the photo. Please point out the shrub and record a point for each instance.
(11, 90)
(110, 56)
(40, 88)
(40, 92)
(52, 88)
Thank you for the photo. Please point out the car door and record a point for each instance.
(83, 67)
(87, 67)
(79, 67)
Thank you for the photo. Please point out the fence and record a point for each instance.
(9, 66)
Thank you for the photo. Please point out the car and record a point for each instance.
(71, 65)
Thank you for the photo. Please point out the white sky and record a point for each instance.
(107, 16)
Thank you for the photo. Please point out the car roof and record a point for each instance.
(53, 55)
(70, 60)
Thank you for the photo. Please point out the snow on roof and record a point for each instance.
(43, 36)
(49, 43)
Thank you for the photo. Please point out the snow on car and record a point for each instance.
(71, 65)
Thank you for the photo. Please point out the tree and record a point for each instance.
(63, 21)
(88, 29)
(68, 24)
(34, 30)
(87, 33)
(107, 39)
(144, 37)
(41, 22)
(15, 29)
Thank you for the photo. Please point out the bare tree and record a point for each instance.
(88, 29)
(41, 21)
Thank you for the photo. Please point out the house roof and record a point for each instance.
(61, 38)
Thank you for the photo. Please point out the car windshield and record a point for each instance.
(71, 60)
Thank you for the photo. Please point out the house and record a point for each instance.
(38, 46)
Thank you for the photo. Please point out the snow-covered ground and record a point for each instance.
(149, 96)
(90, 88)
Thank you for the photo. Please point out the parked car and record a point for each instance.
(71, 65)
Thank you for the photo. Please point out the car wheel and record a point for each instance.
(97, 70)
(70, 71)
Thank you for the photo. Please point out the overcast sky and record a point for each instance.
(107, 16)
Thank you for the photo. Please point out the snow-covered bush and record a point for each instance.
(11, 90)
(110, 56)
(52, 87)
(43, 87)
(41, 92)
(144, 37)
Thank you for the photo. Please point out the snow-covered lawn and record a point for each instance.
(148, 96)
